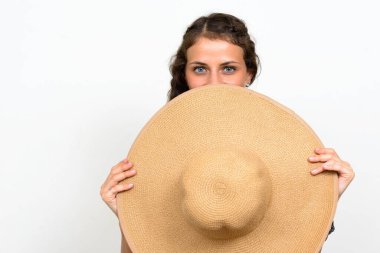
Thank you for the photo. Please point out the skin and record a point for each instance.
(332, 162)
(215, 62)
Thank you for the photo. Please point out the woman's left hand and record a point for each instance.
(332, 162)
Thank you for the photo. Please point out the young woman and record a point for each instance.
(216, 49)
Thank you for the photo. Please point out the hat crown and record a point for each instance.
(225, 192)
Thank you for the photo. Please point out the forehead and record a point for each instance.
(214, 49)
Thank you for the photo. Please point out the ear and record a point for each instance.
(248, 78)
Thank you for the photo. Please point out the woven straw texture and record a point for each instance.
(298, 208)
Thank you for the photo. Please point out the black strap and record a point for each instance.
(332, 228)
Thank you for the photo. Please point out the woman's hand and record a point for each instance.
(332, 162)
(111, 187)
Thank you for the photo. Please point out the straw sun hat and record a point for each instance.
(222, 168)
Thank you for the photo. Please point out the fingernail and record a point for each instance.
(130, 185)
(312, 158)
(313, 171)
(133, 171)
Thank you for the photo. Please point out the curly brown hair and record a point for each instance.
(214, 26)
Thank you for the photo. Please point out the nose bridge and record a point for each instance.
(214, 77)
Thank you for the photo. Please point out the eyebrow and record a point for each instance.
(204, 64)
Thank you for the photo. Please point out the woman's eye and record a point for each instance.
(199, 69)
(229, 69)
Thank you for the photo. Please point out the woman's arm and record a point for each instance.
(111, 187)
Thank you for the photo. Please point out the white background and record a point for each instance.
(79, 79)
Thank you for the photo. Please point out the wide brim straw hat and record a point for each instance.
(221, 168)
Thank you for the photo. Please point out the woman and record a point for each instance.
(216, 49)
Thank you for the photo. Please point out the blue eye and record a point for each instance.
(229, 69)
(199, 69)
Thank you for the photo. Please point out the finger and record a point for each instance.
(342, 169)
(123, 175)
(125, 160)
(120, 188)
(110, 195)
(330, 166)
(120, 167)
(321, 158)
(321, 151)
(115, 179)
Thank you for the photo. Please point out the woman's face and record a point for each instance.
(215, 62)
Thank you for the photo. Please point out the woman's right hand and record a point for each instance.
(111, 187)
